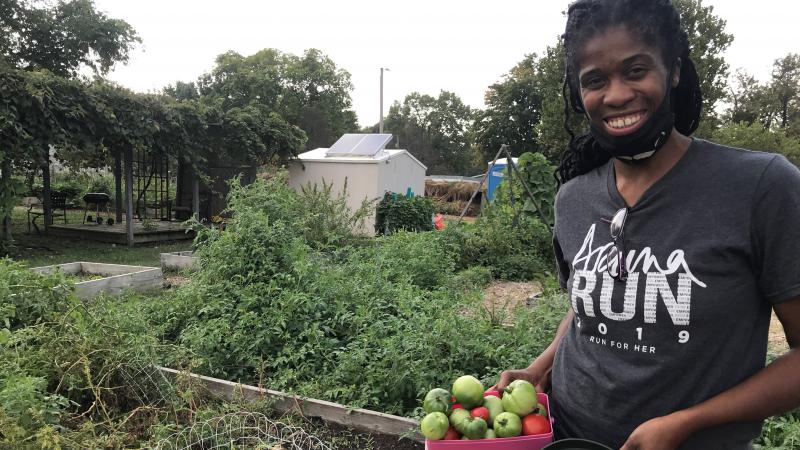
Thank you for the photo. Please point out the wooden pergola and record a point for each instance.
(124, 201)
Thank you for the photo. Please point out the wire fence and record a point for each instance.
(242, 430)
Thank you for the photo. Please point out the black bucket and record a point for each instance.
(576, 444)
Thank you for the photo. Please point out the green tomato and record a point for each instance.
(494, 405)
(475, 428)
(490, 434)
(437, 400)
(520, 398)
(507, 424)
(457, 418)
(434, 426)
(468, 391)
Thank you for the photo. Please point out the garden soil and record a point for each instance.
(508, 294)
(342, 437)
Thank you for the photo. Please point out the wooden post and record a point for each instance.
(195, 196)
(118, 186)
(6, 174)
(47, 204)
(129, 195)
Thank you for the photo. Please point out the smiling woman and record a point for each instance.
(673, 250)
(623, 60)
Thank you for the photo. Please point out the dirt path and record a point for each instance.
(777, 340)
(505, 295)
(508, 294)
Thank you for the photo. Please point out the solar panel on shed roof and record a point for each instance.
(359, 145)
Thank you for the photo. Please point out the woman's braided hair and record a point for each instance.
(658, 24)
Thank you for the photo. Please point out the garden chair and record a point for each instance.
(58, 207)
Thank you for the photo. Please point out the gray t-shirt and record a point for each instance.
(710, 247)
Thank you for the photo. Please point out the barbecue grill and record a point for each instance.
(100, 200)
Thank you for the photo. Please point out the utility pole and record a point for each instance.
(380, 124)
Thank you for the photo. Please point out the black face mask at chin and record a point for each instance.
(644, 142)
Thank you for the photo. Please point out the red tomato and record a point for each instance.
(457, 406)
(491, 392)
(535, 424)
(452, 435)
(481, 412)
(452, 399)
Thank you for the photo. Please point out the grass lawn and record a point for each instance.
(39, 250)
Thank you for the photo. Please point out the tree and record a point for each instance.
(309, 91)
(756, 137)
(775, 105)
(183, 91)
(435, 130)
(750, 101)
(708, 42)
(37, 111)
(553, 139)
(785, 87)
(62, 37)
(512, 111)
(317, 98)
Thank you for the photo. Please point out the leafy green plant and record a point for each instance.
(399, 212)
(536, 171)
(32, 297)
(513, 248)
(373, 325)
(328, 221)
(780, 432)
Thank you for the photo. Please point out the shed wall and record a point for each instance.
(362, 182)
(401, 173)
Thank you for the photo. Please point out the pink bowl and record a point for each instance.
(535, 442)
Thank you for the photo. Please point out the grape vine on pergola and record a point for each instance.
(98, 124)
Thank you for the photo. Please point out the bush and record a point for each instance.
(29, 298)
(780, 432)
(513, 250)
(317, 216)
(371, 326)
(538, 175)
(61, 362)
(398, 212)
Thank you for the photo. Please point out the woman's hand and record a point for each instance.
(539, 377)
(661, 433)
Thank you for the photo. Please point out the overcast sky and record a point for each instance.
(428, 45)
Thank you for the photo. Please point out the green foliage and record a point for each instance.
(328, 222)
(399, 212)
(756, 137)
(780, 432)
(552, 138)
(62, 37)
(370, 325)
(320, 217)
(62, 362)
(774, 104)
(512, 111)
(535, 170)
(512, 249)
(309, 92)
(436, 130)
(32, 297)
(708, 42)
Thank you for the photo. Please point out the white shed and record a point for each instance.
(369, 168)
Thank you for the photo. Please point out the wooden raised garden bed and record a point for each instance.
(94, 278)
(178, 260)
(358, 419)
